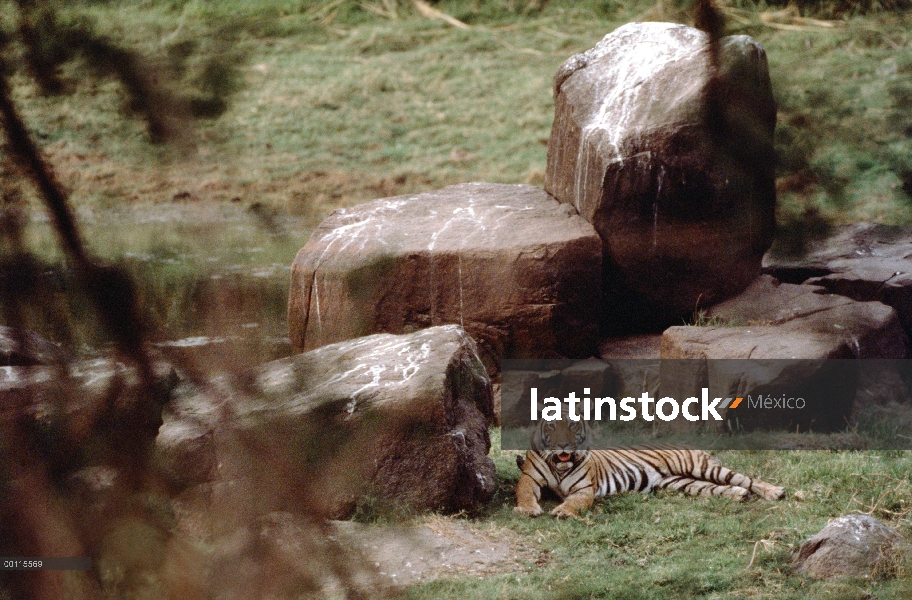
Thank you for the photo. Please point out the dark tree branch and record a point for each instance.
(27, 154)
(110, 290)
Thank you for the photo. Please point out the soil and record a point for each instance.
(440, 547)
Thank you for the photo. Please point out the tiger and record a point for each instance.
(560, 459)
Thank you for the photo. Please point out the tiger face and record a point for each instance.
(562, 443)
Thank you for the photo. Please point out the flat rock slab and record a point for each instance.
(780, 320)
(516, 269)
(863, 261)
(674, 168)
(773, 320)
(852, 546)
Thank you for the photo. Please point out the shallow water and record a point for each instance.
(209, 277)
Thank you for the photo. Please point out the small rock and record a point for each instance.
(186, 451)
(852, 546)
(23, 348)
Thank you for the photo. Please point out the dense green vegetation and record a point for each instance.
(333, 102)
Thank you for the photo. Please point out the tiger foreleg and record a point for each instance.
(528, 493)
(574, 504)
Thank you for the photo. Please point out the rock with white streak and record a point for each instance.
(517, 270)
(673, 167)
(23, 348)
(402, 418)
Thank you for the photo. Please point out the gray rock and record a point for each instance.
(515, 405)
(644, 346)
(852, 546)
(780, 320)
(518, 270)
(677, 181)
(862, 261)
(773, 320)
(23, 348)
(593, 374)
(402, 418)
(634, 362)
(186, 450)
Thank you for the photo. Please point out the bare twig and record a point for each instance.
(432, 13)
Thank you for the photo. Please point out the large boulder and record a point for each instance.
(403, 419)
(518, 270)
(863, 261)
(671, 159)
(852, 546)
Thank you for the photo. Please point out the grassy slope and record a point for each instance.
(339, 109)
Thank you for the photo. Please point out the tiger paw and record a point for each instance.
(563, 512)
(774, 493)
(738, 494)
(527, 511)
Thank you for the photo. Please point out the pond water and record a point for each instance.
(209, 276)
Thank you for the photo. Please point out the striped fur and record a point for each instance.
(561, 461)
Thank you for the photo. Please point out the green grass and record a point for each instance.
(667, 545)
(349, 106)
(701, 319)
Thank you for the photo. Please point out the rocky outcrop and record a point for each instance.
(862, 261)
(402, 419)
(671, 160)
(516, 269)
(801, 323)
(852, 546)
(772, 320)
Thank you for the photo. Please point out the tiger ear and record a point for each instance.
(520, 461)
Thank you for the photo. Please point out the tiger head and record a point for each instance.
(561, 443)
